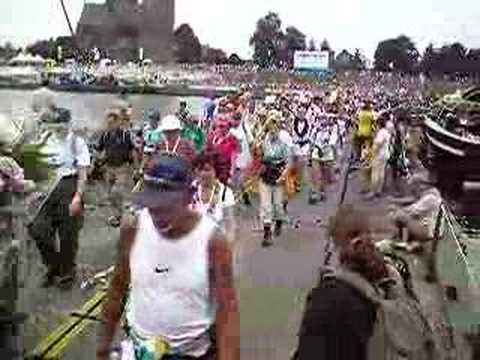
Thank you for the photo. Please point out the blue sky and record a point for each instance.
(228, 24)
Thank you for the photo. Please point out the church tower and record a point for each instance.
(122, 27)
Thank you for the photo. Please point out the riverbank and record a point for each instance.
(163, 89)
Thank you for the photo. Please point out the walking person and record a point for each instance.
(275, 156)
(211, 196)
(365, 128)
(380, 150)
(175, 268)
(173, 143)
(323, 155)
(365, 309)
(62, 212)
(121, 159)
(397, 159)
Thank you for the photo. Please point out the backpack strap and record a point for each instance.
(370, 291)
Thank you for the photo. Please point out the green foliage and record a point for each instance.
(213, 56)
(267, 40)
(295, 40)
(8, 51)
(347, 61)
(451, 59)
(398, 54)
(49, 48)
(187, 45)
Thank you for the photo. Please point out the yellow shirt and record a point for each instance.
(366, 120)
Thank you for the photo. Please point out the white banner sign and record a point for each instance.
(311, 60)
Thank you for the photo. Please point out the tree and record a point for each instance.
(473, 61)
(358, 60)
(49, 48)
(449, 59)
(187, 46)
(8, 51)
(268, 40)
(325, 46)
(213, 56)
(44, 48)
(295, 40)
(399, 54)
(311, 45)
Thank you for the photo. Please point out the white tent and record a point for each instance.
(27, 59)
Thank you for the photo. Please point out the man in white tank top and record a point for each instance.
(175, 267)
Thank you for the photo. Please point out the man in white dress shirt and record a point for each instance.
(62, 211)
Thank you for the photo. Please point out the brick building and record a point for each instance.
(122, 27)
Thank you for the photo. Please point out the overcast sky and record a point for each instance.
(228, 24)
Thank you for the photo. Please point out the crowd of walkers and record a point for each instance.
(173, 284)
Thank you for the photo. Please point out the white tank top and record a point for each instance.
(170, 288)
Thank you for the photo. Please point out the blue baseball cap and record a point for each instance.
(165, 177)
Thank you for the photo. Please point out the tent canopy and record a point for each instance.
(27, 59)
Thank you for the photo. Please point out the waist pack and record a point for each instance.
(272, 172)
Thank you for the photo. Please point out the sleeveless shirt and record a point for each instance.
(170, 288)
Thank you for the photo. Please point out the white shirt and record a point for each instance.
(382, 141)
(62, 154)
(287, 139)
(242, 134)
(215, 207)
(170, 286)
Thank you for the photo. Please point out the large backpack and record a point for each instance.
(401, 331)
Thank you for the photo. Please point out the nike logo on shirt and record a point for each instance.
(159, 270)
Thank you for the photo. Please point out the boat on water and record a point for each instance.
(452, 133)
(20, 77)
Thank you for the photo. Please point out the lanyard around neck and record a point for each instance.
(175, 147)
(212, 195)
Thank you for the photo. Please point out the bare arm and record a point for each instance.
(227, 317)
(82, 180)
(113, 308)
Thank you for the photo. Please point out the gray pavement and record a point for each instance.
(272, 283)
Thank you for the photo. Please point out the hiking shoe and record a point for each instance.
(267, 236)
(114, 221)
(66, 282)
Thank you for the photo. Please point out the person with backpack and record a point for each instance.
(119, 152)
(362, 310)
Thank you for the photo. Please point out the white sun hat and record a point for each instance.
(269, 100)
(170, 123)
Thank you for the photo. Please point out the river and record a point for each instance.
(89, 109)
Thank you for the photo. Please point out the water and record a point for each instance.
(89, 109)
